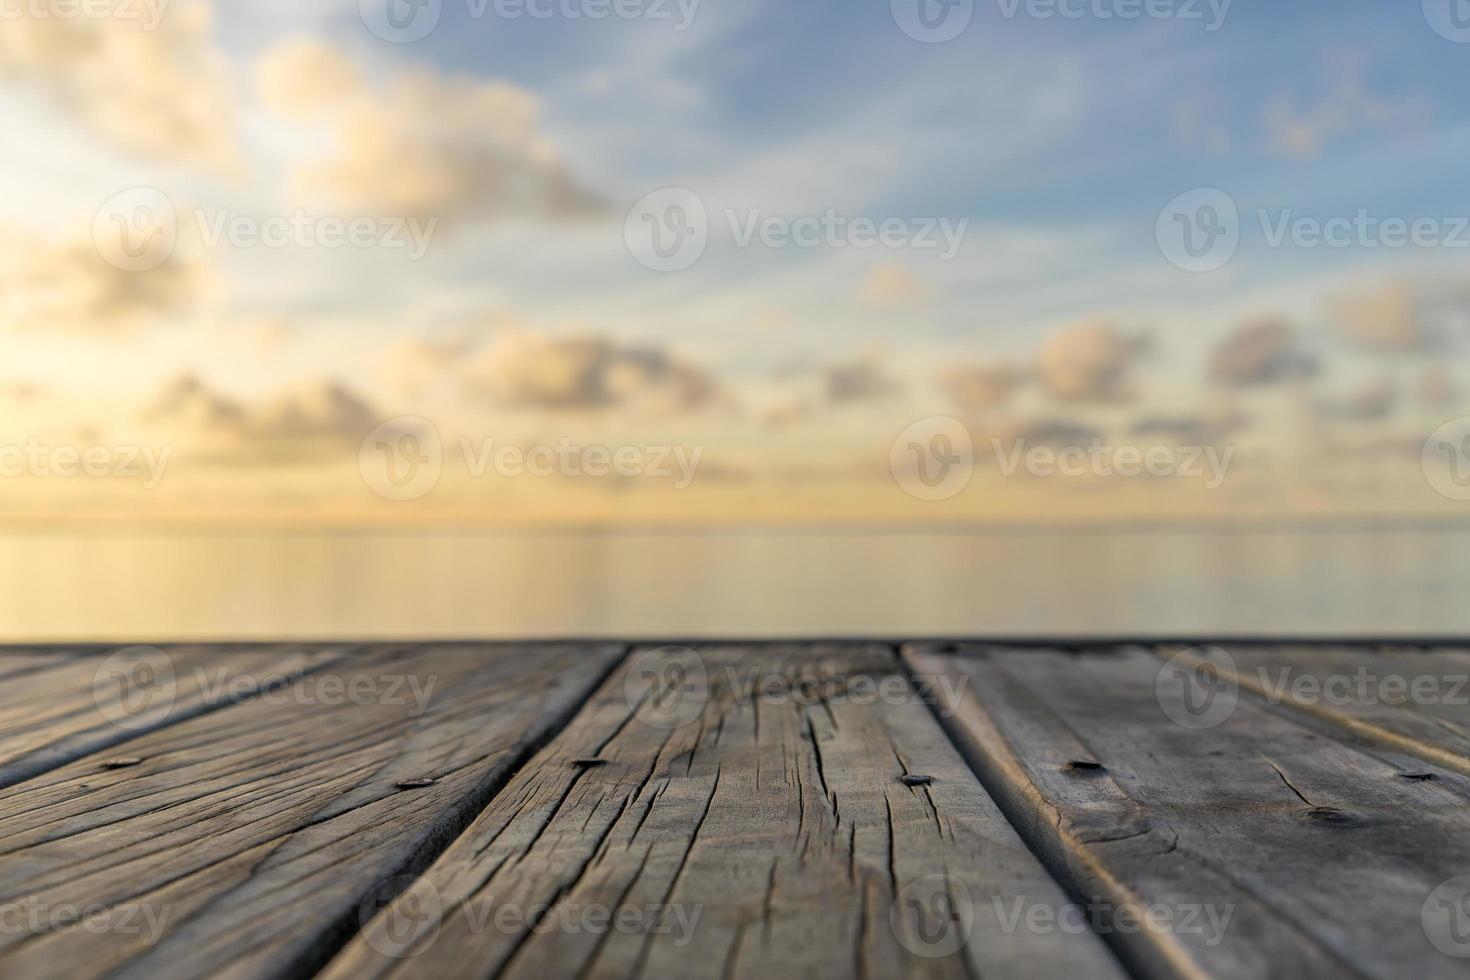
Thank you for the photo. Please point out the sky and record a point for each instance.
(643, 261)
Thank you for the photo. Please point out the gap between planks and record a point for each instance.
(461, 797)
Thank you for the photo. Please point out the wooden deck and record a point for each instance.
(735, 810)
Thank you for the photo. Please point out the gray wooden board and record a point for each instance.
(1326, 857)
(1403, 699)
(243, 841)
(735, 813)
(59, 705)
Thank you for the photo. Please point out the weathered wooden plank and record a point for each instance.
(16, 661)
(739, 813)
(56, 706)
(242, 841)
(1410, 700)
(1324, 856)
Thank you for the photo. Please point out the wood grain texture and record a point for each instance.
(1323, 853)
(743, 814)
(240, 842)
(1404, 699)
(59, 705)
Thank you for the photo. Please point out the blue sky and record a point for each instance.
(1050, 145)
(1048, 125)
(764, 75)
(1056, 138)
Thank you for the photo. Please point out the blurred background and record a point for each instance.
(416, 318)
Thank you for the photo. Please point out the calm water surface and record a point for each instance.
(112, 586)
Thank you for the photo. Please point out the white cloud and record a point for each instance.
(458, 149)
(1260, 352)
(1347, 108)
(858, 381)
(68, 286)
(977, 389)
(1090, 362)
(301, 78)
(586, 373)
(156, 90)
(1374, 401)
(1389, 318)
(311, 418)
(892, 284)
